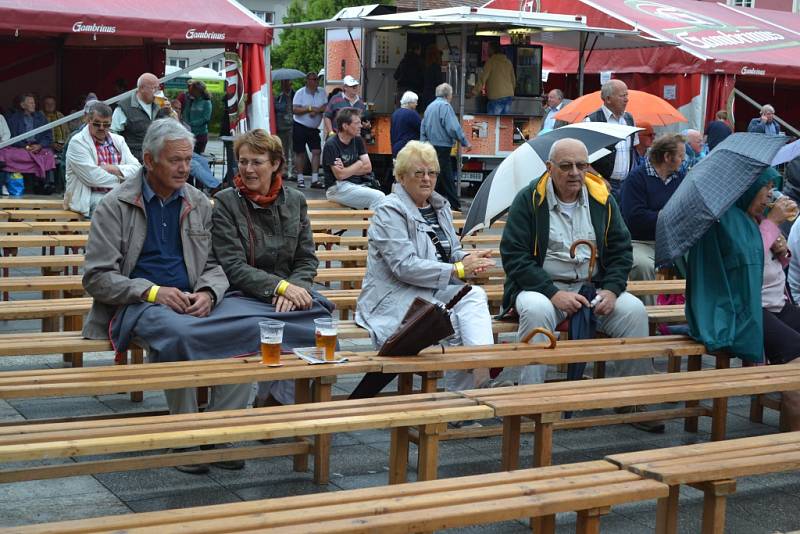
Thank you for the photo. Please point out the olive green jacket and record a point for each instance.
(272, 244)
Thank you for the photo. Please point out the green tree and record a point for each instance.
(305, 49)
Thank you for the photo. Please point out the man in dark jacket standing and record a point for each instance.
(542, 280)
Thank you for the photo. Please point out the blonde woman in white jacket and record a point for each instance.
(97, 161)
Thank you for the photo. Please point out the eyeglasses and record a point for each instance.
(101, 125)
(244, 163)
(312, 78)
(566, 166)
(420, 173)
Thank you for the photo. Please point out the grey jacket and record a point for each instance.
(116, 238)
(402, 262)
(279, 244)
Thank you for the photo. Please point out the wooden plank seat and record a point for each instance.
(324, 204)
(25, 227)
(80, 440)
(42, 215)
(31, 203)
(544, 403)
(589, 488)
(713, 469)
(46, 263)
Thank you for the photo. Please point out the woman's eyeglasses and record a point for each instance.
(244, 163)
(419, 174)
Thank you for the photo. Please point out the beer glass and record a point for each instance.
(271, 339)
(325, 331)
(777, 195)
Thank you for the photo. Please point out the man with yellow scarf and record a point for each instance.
(564, 205)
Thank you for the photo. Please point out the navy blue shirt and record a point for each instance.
(161, 259)
(405, 127)
(644, 194)
(717, 131)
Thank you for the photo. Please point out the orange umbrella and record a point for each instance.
(643, 106)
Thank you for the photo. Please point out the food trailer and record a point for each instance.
(368, 42)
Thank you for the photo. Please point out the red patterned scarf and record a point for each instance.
(256, 197)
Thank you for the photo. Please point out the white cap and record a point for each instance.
(349, 81)
(321, 73)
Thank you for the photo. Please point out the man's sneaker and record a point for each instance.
(232, 465)
(467, 423)
(301, 183)
(317, 185)
(192, 469)
(654, 427)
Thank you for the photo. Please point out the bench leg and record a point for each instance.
(430, 381)
(301, 396)
(511, 439)
(543, 438)
(428, 463)
(690, 423)
(756, 409)
(545, 524)
(405, 383)
(73, 323)
(599, 370)
(589, 520)
(398, 456)
(673, 364)
(137, 356)
(322, 442)
(667, 512)
(719, 414)
(714, 500)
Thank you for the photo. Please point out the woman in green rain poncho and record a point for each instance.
(735, 298)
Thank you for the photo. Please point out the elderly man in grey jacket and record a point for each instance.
(152, 274)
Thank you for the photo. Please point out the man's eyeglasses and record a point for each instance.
(244, 163)
(566, 166)
(419, 174)
(101, 125)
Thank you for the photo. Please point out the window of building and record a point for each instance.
(180, 62)
(742, 3)
(266, 16)
(215, 65)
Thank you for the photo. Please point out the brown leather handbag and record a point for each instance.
(425, 324)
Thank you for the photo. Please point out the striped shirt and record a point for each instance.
(107, 153)
(429, 214)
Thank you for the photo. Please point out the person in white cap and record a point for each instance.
(348, 98)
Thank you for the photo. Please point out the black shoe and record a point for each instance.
(192, 469)
(654, 427)
(318, 185)
(231, 465)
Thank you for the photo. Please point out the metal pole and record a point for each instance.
(581, 61)
(462, 89)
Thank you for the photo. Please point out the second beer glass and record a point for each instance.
(271, 339)
(325, 331)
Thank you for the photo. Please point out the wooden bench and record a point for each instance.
(713, 469)
(24, 227)
(428, 412)
(41, 215)
(31, 203)
(544, 403)
(589, 488)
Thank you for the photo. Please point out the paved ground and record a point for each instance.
(359, 459)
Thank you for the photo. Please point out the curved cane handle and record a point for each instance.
(539, 330)
(592, 254)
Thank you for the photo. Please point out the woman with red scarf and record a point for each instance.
(263, 241)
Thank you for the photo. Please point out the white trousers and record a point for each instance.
(227, 397)
(644, 265)
(629, 319)
(353, 195)
(473, 326)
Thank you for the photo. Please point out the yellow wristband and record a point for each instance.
(151, 295)
(281, 289)
(460, 270)
(309, 109)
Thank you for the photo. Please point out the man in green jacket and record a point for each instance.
(542, 281)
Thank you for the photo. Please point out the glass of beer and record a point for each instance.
(777, 195)
(325, 331)
(271, 339)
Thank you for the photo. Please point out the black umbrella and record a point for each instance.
(527, 163)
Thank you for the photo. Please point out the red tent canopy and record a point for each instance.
(87, 22)
(715, 38)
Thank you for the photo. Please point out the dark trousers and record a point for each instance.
(782, 334)
(200, 142)
(446, 184)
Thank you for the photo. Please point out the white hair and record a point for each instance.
(444, 89)
(140, 79)
(767, 109)
(162, 130)
(409, 97)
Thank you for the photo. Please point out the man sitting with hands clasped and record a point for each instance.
(542, 281)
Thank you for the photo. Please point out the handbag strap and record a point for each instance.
(438, 244)
(458, 296)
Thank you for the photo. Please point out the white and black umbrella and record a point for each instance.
(527, 163)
